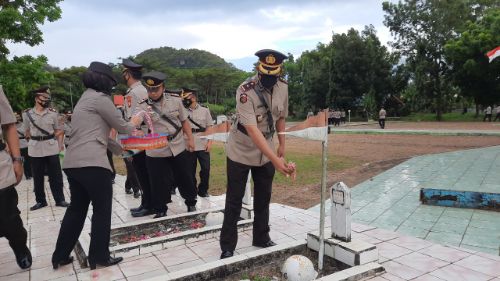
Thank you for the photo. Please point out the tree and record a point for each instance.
(471, 70)
(20, 20)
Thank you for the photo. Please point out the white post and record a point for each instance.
(247, 198)
(349, 116)
(322, 208)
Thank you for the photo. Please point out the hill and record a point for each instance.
(166, 57)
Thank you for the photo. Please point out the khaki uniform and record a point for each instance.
(47, 120)
(92, 120)
(67, 132)
(201, 115)
(136, 93)
(7, 176)
(381, 118)
(240, 147)
(23, 143)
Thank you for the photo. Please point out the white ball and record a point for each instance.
(298, 268)
(214, 218)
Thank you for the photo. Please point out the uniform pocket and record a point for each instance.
(7, 175)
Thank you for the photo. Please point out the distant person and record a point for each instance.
(336, 117)
(497, 111)
(310, 114)
(342, 116)
(381, 117)
(487, 114)
(330, 116)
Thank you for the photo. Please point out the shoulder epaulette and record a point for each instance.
(142, 101)
(283, 80)
(52, 109)
(247, 86)
(26, 110)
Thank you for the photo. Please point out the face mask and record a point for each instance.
(44, 104)
(187, 102)
(268, 81)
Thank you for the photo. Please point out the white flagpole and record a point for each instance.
(322, 207)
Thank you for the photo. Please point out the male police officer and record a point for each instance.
(42, 128)
(132, 74)
(11, 173)
(168, 116)
(261, 108)
(201, 121)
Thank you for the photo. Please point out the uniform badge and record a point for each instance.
(270, 59)
(243, 98)
(129, 101)
(259, 118)
(150, 82)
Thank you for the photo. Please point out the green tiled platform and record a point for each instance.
(391, 199)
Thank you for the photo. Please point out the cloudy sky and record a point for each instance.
(106, 30)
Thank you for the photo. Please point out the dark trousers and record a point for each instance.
(161, 176)
(497, 117)
(203, 158)
(132, 181)
(88, 184)
(237, 175)
(381, 123)
(110, 159)
(27, 163)
(487, 116)
(139, 163)
(53, 166)
(11, 224)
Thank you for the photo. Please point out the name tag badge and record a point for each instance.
(259, 118)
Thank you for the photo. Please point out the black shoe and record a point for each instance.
(109, 262)
(267, 244)
(56, 264)
(38, 206)
(128, 191)
(203, 194)
(226, 254)
(140, 208)
(160, 215)
(24, 260)
(62, 204)
(191, 208)
(142, 213)
(137, 194)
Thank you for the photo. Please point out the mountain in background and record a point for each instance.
(166, 57)
(245, 64)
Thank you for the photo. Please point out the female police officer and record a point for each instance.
(88, 169)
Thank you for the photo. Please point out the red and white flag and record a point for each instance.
(313, 128)
(493, 54)
(219, 132)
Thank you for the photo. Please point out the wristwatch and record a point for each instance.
(18, 159)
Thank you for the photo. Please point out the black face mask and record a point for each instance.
(268, 81)
(44, 104)
(187, 102)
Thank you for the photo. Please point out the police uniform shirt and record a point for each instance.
(136, 93)
(92, 120)
(7, 175)
(251, 111)
(201, 115)
(47, 120)
(382, 114)
(67, 132)
(23, 143)
(172, 108)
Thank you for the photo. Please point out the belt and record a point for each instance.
(22, 138)
(242, 129)
(42, 138)
(198, 130)
(2, 146)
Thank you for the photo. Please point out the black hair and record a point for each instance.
(98, 82)
(136, 74)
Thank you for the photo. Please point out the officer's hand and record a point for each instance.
(281, 151)
(18, 171)
(61, 148)
(208, 147)
(190, 145)
(281, 166)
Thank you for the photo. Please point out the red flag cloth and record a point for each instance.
(493, 54)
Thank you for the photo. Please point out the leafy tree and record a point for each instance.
(20, 20)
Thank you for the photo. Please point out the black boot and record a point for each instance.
(56, 264)
(110, 261)
(23, 258)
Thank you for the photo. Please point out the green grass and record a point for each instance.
(450, 117)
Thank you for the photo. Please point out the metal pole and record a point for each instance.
(322, 207)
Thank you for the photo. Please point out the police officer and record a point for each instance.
(11, 173)
(261, 108)
(201, 121)
(88, 169)
(67, 128)
(169, 116)
(132, 74)
(381, 117)
(23, 145)
(45, 143)
(175, 93)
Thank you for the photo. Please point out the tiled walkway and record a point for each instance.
(391, 199)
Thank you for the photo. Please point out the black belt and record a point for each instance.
(22, 138)
(2, 146)
(42, 138)
(198, 130)
(242, 129)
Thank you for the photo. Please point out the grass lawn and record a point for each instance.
(308, 168)
(450, 117)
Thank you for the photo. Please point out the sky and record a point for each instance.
(105, 30)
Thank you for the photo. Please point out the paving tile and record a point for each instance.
(427, 277)
(401, 270)
(454, 272)
(480, 264)
(106, 273)
(412, 231)
(140, 266)
(48, 273)
(185, 265)
(421, 262)
(445, 238)
(21, 276)
(411, 243)
(381, 234)
(445, 253)
(177, 255)
(391, 251)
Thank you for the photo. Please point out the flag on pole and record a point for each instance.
(493, 54)
(313, 128)
(219, 132)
